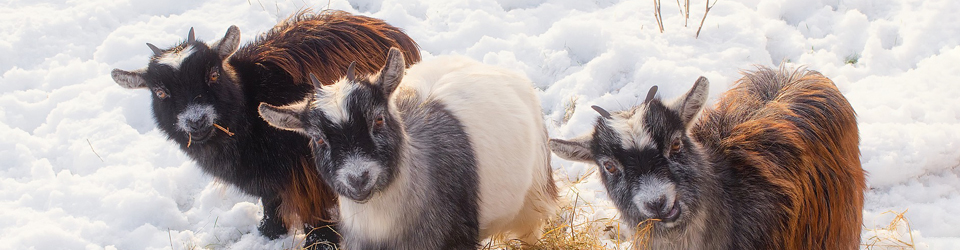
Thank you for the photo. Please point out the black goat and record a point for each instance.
(201, 90)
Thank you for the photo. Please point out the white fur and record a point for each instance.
(501, 114)
(354, 166)
(333, 101)
(376, 219)
(175, 58)
(629, 126)
(194, 112)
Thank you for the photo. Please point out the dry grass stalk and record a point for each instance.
(569, 108)
(223, 129)
(572, 227)
(709, 6)
(94, 151)
(656, 14)
(890, 237)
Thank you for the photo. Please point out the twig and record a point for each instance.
(656, 14)
(573, 214)
(223, 129)
(94, 151)
(709, 6)
(686, 5)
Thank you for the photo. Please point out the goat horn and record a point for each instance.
(351, 71)
(650, 94)
(602, 111)
(316, 82)
(156, 51)
(190, 37)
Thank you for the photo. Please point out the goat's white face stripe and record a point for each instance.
(629, 126)
(332, 101)
(194, 112)
(174, 59)
(355, 165)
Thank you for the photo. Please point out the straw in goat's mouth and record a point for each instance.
(221, 128)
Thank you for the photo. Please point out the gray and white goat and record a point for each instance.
(452, 154)
(774, 165)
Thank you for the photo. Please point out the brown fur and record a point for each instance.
(799, 134)
(326, 43)
(307, 199)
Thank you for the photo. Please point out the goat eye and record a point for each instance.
(676, 146)
(610, 167)
(214, 75)
(320, 142)
(160, 93)
(378, 123)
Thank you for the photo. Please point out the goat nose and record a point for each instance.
(359, 181)
(657, 206)
(195, 125)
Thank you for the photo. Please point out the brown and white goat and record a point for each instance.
(200, 88)
(775, 165)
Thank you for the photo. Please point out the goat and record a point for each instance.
(199, 88)
(420, 163)
(775, 165)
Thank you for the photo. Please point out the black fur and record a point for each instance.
(258, 159)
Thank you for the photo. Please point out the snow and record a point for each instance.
(84, 166)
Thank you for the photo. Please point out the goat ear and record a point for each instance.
(286, 118)
(392, 72)
(352, 71)
(650, 94)
(576, 149)
(229, 43)
(315, 81)
(129, 79)
(692, 102)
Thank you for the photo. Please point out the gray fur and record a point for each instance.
(129, 79)
(441, 186)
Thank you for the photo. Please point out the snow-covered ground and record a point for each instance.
(82, 165)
